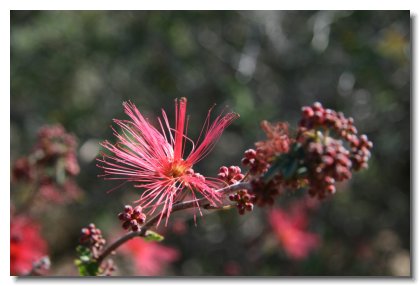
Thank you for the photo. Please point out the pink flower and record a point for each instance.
(290, 229)
(232, 268)
(60, 194)
(155, 160)
(149, 258)
(51, 166)
(26, 245)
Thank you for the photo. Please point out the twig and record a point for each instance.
(176, 207)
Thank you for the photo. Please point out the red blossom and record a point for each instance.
(149, 258)
(155, 160)
(290, 228)
(26, 245)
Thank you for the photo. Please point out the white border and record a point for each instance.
(211, 5)
(184, 5)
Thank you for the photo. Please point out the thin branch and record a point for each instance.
(117, 244)
(193, 203)
(176, 207)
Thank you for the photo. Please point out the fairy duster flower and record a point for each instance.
(149, 258)
(154, 159)
(291, 229)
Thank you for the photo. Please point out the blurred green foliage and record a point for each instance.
(76, 68)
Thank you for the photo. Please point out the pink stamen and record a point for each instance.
(153, 160)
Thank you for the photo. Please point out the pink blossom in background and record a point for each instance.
(232, 268)
(290, 228)
(60, 194)
(26, 245)
(149, 258)
(51, 166)
(179, 227)
(154, 159)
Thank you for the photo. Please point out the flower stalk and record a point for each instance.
(143, 231)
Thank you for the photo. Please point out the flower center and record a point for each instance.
(176, 169)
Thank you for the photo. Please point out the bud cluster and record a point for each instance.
(258, 160)
(326, 150)
(316, 116)
(244, 201)
(53, 143)
(360, 152)
(249, 160)
(108, 267)
(230, 175)
(326, 163)
(192, 173)
(132, 218)
(264, 193)
(326, 158)
(91, 236)
(52, 165)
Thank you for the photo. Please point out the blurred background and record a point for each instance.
(76, 69)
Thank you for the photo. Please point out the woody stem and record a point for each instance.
(176, 207)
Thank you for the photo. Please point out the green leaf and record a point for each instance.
(286, 164)
(290, 169)
(86, 265)
(153, 236)
(90, 268)
(82, 250)
(275, 168)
